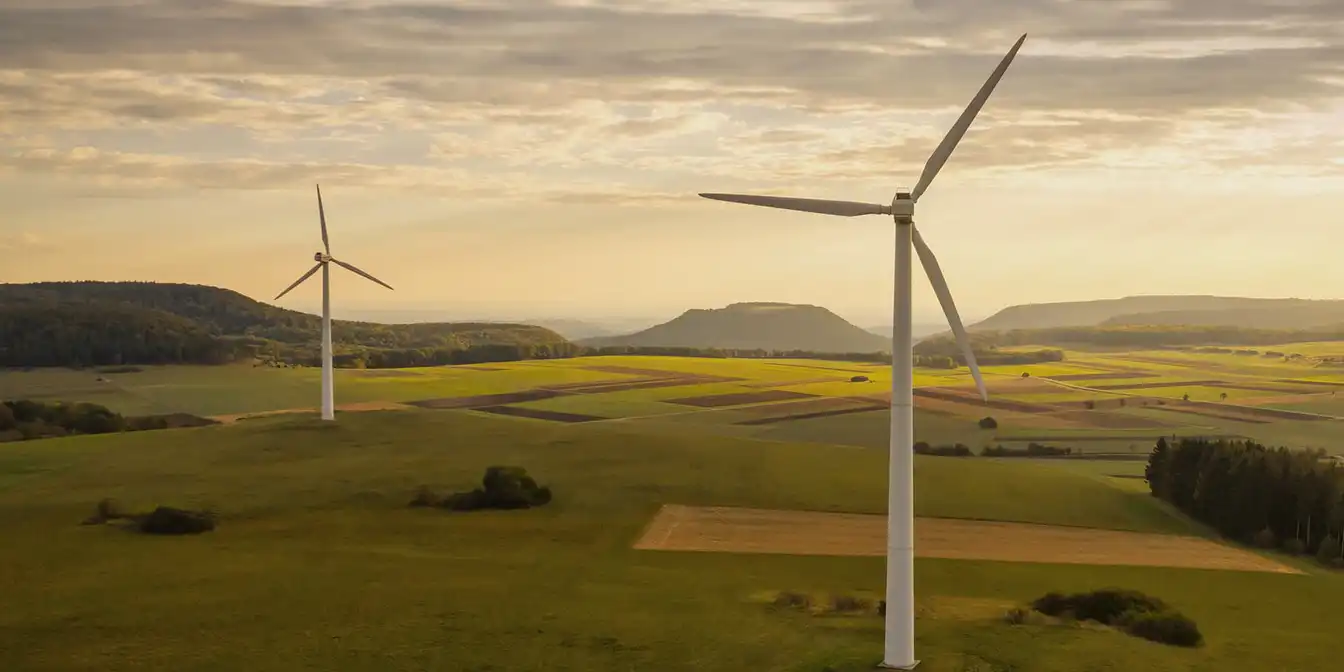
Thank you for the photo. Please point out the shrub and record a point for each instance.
(858, 379)
(1090, 404)
(1294, 546)
(168, 520)
(988, 422)
(1136, 613)
(1026, 374)
(502, 488)
(1166, 627)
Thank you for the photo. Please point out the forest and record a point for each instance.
(1272, 498)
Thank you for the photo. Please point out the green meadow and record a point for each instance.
(319, 563)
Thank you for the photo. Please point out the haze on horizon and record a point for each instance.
(524, 158)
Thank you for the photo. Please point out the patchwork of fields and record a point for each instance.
(1115, 402)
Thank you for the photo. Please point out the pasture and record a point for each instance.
(319, 564)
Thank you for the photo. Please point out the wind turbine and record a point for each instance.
(324, 259)
(899, 650)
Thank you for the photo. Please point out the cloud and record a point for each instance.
(396, 93)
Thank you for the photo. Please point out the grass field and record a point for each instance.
(318, 563)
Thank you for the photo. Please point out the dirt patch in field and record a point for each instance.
(1107, 375)
(538, 414)
(481, 400)
(739, 398)
(732, 530)
(353, 407)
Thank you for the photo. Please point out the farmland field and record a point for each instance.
(319, 564)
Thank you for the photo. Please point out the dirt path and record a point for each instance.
(733, 530)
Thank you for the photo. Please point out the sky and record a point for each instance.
(541, 158)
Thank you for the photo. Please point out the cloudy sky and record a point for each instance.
(541, 157)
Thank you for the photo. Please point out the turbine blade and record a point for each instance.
(930, 264)
(356, 270)
(949, 143)
(322, 216)
(825, 207)
(298, 282)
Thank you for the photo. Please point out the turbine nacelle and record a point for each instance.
(321, 258)
(903, 208)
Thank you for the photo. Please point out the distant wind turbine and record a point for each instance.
(323, 260)
(899, 650)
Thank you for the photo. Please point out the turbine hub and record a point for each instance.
(903, 207)
(321, 258)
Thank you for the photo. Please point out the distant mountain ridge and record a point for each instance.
(1169, 310)
(755, 325)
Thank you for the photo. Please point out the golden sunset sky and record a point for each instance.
(529, 158)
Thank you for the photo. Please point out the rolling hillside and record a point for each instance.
(1169, 311)
(95, 323)
(749, 326)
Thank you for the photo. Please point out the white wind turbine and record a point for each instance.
(323, 260)
(899, 651)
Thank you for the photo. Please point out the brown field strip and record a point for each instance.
(538, 414)
(739, 398)
(487, 399)
(973, 398)
(733, 530)
(827, 368)
(811, 408)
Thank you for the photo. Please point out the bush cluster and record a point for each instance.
(1129, 610)
(503, 487)
(1033, 449)
(955, 450)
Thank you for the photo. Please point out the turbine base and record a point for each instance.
(884, 666)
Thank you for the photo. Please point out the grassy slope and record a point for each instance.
(318, 563)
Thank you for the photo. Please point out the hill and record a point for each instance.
(1168, 311)
(95, 323)
(748, 326)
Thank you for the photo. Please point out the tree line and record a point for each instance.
(25, 419)
(1268, 497)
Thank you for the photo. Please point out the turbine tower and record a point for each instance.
(324, 259)
(899, 650)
